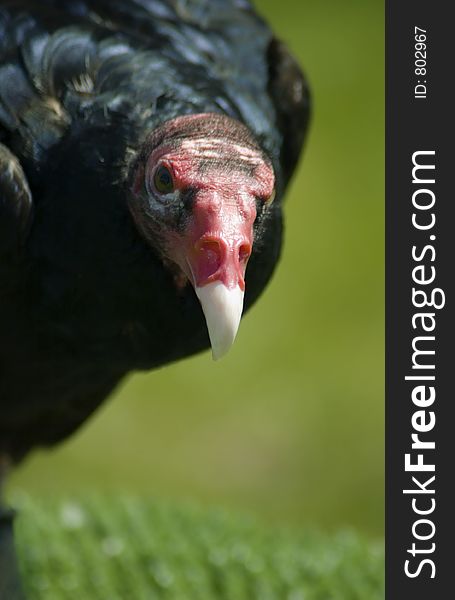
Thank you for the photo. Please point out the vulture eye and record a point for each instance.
(265, 201)
(163, 181)
(268, 201)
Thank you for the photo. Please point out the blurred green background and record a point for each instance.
(290, 424)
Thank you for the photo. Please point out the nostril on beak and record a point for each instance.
(211, 253)
(244, 252)
(214, 259)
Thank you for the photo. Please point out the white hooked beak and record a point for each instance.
(222, 308)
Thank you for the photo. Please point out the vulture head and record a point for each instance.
(196, 188)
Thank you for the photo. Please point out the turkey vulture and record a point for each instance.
(145, 147)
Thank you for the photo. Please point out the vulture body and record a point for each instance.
(89, 289)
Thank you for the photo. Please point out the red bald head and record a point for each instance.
(197, 185)
(217, 173)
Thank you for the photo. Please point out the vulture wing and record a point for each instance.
(15, 206)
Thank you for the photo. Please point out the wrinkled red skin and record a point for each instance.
(218, 239)
(226, 177)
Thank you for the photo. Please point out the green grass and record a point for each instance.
(121, 548)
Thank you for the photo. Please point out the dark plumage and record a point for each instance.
(87, 293)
